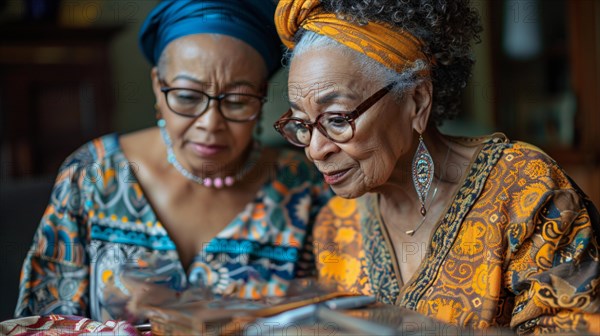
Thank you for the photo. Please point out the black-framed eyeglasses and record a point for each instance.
(336, 126)
(237, 107)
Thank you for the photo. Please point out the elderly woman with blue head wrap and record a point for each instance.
(197, 192)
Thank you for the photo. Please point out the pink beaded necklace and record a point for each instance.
(216, 182)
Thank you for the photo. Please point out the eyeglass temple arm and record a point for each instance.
(371, 100)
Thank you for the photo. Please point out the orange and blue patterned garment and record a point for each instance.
(518, 247)
(99, 219)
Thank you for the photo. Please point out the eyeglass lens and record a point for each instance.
(232, 105)
(335, 126)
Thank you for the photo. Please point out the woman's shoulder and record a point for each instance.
(526, 151)
(528, 166)
(139, 141)
(94, 152)
(531, 162)
(110, 149)
(90, 163)
(519, 165)
(509, 153)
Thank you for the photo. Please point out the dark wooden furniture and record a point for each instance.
(555, 92)
(55, 94)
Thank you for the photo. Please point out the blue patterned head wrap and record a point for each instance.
(248, 20)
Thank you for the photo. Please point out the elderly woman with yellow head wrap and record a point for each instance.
(197, 193)
(476, 232)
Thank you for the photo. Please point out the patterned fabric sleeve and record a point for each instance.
(320, 194)
(54, 277)
(553, 254)
(339, 249)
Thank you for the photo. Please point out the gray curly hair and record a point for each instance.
(447, 28)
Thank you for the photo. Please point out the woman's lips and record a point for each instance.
(336, 177)
(207, 150)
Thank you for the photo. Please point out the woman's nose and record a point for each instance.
(211, 119)
(320, 147)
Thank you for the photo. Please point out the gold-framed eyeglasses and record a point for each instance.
(338, 127)
(236, 107)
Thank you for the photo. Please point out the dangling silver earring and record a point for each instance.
(422, 173)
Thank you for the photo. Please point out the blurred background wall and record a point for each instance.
(71, 70)
(103, 94)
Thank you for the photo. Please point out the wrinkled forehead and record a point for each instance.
(212, 57)
(319, 72)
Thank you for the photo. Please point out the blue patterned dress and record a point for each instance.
(99, 219)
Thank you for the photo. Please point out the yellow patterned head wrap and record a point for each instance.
(394, 48)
